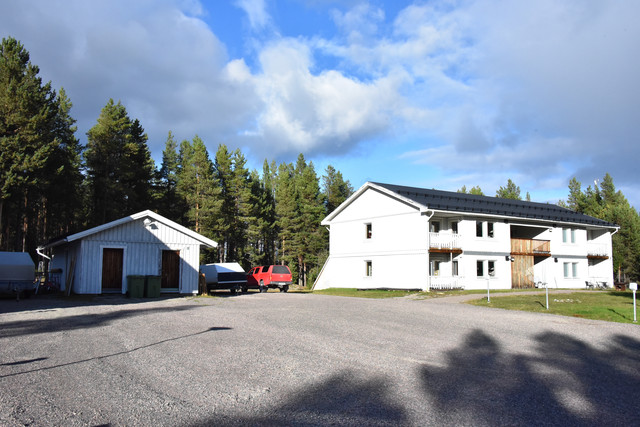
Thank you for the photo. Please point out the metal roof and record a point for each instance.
(472, 204)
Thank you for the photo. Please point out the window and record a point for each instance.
(485, 268)
(435, 227)
(454, 227)
(568, 235)
(434, 267)
(368, 230)
(479, 228)
(490, 229)
(570, 270)
(454, 268)
(369, 268)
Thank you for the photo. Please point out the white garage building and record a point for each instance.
(396, 237)
(99, 260)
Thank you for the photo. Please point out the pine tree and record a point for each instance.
(286, 215)
(223, 228)
(511, 191)
(336, 189)
(119, 166)
(606, 203)
(171, 205)
(240, 191)
(35, 132)
(197, 186)
(313, 236)
(141, 168)
(61, 197)
(474, 190)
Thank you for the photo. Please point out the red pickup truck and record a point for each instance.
(269, 276)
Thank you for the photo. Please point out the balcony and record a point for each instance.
(445, 283)
(445, 243)
(597, 251)
(530, 247)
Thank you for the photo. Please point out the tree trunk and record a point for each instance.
(25, 223)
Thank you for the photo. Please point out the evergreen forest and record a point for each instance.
(51, 185)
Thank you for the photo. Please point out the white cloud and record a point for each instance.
(163, 63)
(541, 89)
(256, 11)
(309, 113)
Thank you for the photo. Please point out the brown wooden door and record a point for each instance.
(522, 272)
(170, 269)
(112, 269)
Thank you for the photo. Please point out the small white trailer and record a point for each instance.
(17, 274)
(224, 275)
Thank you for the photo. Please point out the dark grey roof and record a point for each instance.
(470, 203)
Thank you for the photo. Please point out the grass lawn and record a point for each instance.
(369, 293)
(381, 293)
(610, 306)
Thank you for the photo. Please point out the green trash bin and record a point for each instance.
(152, 289)
(136, 286)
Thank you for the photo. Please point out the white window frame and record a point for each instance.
(368, 264)
(368, 230)
(488, 271)
(434, 267)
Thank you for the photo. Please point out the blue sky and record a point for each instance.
(436, 94)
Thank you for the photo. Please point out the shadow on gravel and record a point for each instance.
(340, 400)
(52, 302)
(106, 356)
(82, 321)
(568, 382)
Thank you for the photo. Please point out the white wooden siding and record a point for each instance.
(143, 246)
(399, 243)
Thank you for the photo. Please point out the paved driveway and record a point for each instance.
(300, 359)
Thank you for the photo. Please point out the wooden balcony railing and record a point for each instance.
(530, 247)
(597, 251)
(444, 242)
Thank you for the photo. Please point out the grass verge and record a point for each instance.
(610, 306)
(383, 293)
(369, 293)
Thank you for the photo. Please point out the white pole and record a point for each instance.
(488, 294)
(635, 319)
(546, 287)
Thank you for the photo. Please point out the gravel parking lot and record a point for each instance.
(302, 359)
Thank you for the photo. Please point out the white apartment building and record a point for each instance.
(394, 237)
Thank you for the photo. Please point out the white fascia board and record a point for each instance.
(369, 185)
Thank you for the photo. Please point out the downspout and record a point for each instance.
(38, 249)
(429, 216)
